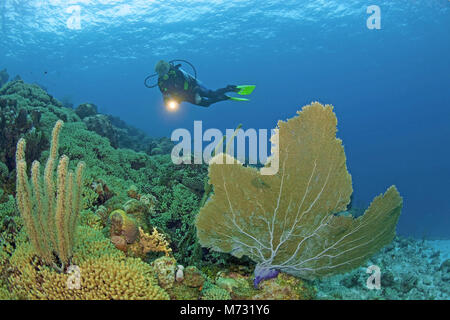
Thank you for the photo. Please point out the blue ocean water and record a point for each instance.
(389, 86)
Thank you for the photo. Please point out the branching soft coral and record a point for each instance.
(49, 210)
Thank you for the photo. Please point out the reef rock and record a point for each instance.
(102, 191)
(123, 226)
(193, 277)
(284, 287)
(133, 192)
(86, 110)
(101, 125)
(139, 211)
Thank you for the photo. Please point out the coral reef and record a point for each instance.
(105, 182)
(26, 111)
(288, 221)
(10, 224)
(14, 123)
(120, 134)
(133, 138)
(137, 226)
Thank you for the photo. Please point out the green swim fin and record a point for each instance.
(238, 99)
(245, 89)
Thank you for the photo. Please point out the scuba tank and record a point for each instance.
(172, 64)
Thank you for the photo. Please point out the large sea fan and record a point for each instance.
(289, 221)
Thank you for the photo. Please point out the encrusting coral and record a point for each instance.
(165, 268)
(154, 242)
(122, 225)
(289, 221)
(50, 220)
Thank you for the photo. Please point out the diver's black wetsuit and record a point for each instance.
(181, 86)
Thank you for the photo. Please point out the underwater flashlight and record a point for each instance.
(172, 105)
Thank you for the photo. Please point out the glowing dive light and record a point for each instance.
(172, 105)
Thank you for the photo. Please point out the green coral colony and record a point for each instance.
(140, 227)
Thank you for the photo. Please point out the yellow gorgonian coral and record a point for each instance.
(289, 221)
(49, 210)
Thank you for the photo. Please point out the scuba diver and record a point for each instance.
(176, 85)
